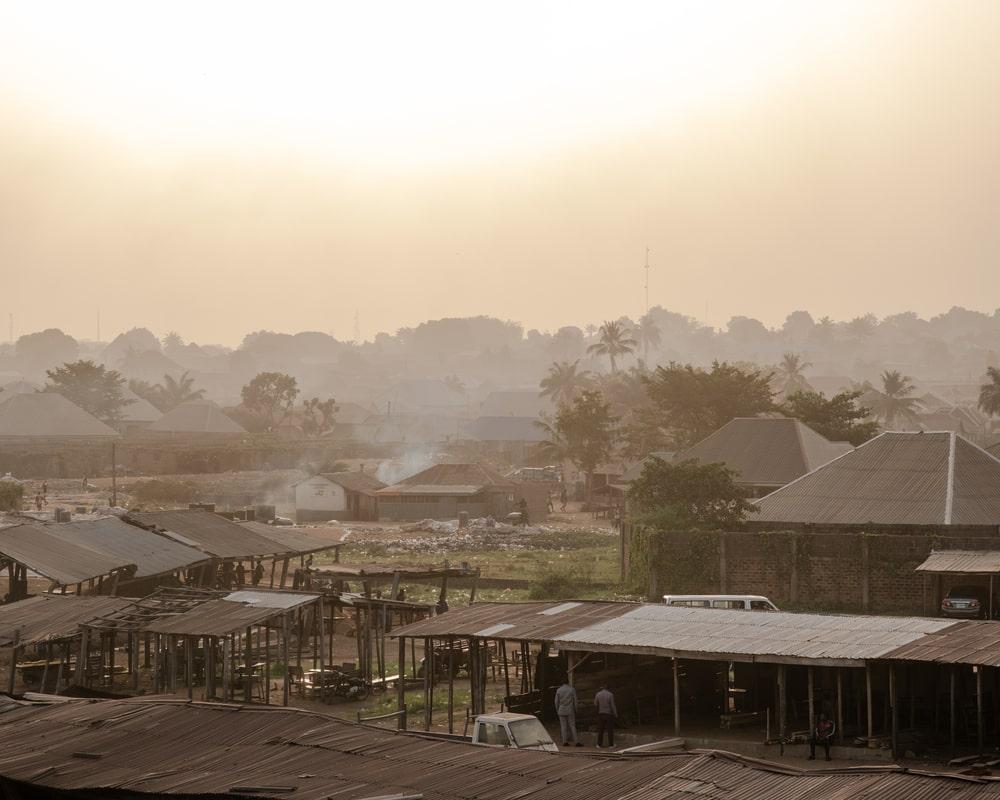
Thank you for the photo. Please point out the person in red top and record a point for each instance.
(822, 735)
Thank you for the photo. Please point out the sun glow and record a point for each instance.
(403, 83)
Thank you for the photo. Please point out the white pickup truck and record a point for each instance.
(519, 731)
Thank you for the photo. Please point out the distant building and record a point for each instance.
(138, 415)
(765, 452)
(894, 479)
(48, 415)
(509, 438)
(445, 490)
(197, 417)
(348, 496)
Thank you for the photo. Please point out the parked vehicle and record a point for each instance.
(967, 602)
(737, 602)
(516, 731)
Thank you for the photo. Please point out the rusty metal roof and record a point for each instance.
(213, 618)
(534, 621)
(210, 533)
(896, 479)
(118, 541)
(978, 561)
(48, 617)
(199, 749)
(293, 539)
(54, 557)
(965, 642)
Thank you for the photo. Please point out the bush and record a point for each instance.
(11, 494)
(561, 583)
(164, 490)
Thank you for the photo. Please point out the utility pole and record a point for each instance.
(647, 280)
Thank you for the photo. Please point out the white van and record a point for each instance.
(733, 602)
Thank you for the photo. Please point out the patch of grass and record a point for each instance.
(560, 583)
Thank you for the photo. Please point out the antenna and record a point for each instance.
(647, 279)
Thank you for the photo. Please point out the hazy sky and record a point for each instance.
(221, 168)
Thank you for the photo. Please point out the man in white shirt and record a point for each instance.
(566, 710)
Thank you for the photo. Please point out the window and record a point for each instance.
(731, 604)
(493, 733)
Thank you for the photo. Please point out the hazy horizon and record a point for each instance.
(239, 171)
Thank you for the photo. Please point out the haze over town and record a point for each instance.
(500, 401)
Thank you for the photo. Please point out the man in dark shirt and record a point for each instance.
(822, 735)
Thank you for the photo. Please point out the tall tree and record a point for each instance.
(95, 389)
(649, 335)
(989, 393)
(318, 416)
(174, 391)
(896, 399)
(688, 493)
(689, 402)
(585, 432)
(789, 377)
(614, 340)
(271, 396)
(564, 382)
(839, 419)
(45, 349)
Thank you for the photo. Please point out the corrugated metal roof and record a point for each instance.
(263, 599)
(895, 479)
(209, 749)
(52, 616)
(118, 541)
(53, 557)
(766, 451)
(213, 618)
(982, 561)
(197, 416)
(451, 479)
(293, 539)
(49, 414)
(210, 533)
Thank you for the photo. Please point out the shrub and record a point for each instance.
(165, 490)
(561, 583)
(11, 494)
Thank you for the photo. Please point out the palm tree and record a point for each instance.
(895, 400)
(649, 335)
(564, 382)
(175, 391)
(614, 340)
(989, 393)
(789, 374)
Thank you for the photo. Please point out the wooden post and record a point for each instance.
(451, 684)
(227, 668)
(868, 703)
(284, 571)
(45, 669)
(284, 656)
(172, 648)
(273, 561)
(157, 667)
(782, 702)
(209, 657)
(248, 666)
(13, 661)
(812, 702)
(840, 705)
(677, 699)
(112, 640)
(81, 660)
(428, 655)
(475, 586)
(979, 707)
(189, 665)
(893, 711)
(321, 610)
(134, 639)
(63, 665)
(267, 663)
(401, 684)
(951, 706)
(502, 644)
(413, 657)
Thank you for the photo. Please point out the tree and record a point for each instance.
(695, 495)
(318, 416)
(989, 393)
(45, 349)
(614, 340)
(895, 400)
(691, 403)
(789, 375)
(270, 396)
(174, 391)
(139, 340)
(564, 382)
(649, 335)
(839, 419)
(95, 389)
(583, 432)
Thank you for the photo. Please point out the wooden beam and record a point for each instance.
(248, 666)
(893, 711)
(810, 680)
(189, 665)
(840, 706)
(285, 629)
(14, 650)
(870, 733)
(677, 698)
(979, 707)
(401, 684)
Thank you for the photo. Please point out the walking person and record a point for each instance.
(563, 497)
(822, 735)
(607, 713)
(566, 710)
